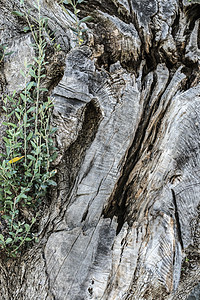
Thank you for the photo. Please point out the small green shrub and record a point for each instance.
(25, 165)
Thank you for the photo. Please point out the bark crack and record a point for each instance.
(178, 225)
(49, 292)
(117, 204)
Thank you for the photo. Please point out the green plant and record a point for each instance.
(77, 29)
(3, 52)
(187, 260)
(25, 165)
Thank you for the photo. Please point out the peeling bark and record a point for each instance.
(125, 214)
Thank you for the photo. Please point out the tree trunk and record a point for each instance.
(123, 222)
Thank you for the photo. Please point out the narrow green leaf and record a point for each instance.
(33, 220)
(12, 233)
(5, 217)
(9, 240)
(30, 85)
(28, 239)
(23, 97)
(53, 130)
(9, 53)
(17, 13)
(38, 150)
(9, 124)
(43, 90)
(31, 157)
(67, 1)
(27, 227)
(52, 182)
(86, 19)
(1, 237)
(29, 165)
(33, 144)
(30, 135)
(17, 115)
(32, 73)
(28, 174)
(6, 140)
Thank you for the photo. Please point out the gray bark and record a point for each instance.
(125, 214)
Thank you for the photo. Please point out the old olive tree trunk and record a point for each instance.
(123, 222)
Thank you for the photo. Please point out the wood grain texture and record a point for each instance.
(123, 222)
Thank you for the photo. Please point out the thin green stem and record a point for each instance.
(25, 115)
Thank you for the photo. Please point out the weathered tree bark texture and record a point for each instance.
(123, 222)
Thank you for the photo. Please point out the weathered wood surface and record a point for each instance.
(126, 211)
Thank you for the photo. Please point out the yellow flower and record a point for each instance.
(15, 159)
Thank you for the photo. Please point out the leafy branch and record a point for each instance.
(77, 29)
(25, 166)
